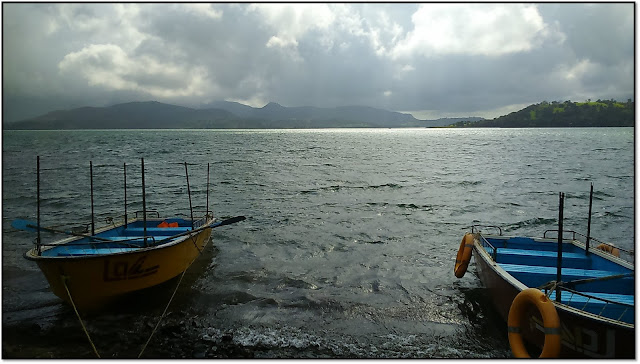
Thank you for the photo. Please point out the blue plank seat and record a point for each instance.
(520, 242)
(130, 240)
(619, 290)
(541, 257)
(155, 231)
(80, 251)
(120, 244)
(536, 276)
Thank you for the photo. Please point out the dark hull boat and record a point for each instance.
(557, 294)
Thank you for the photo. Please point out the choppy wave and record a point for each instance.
(531, 223)
(340, 256)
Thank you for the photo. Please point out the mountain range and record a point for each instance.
(222, 115)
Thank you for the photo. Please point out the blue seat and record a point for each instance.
(542, 257)
(68, 251)
(155, 231)
(535, 276)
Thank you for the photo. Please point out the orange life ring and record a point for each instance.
(550, 320)
(464, 255)
(609, 249)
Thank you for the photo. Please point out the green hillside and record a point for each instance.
(599, 113)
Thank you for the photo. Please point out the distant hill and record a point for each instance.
(563, 114)
(221, 114)
(308, 115)
(138, 115)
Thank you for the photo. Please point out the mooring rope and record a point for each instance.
(164, 312)
(172, 295)
(64, 282)
(194, 240)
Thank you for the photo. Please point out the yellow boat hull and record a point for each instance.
(90, 282)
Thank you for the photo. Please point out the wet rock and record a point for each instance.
(200, 351)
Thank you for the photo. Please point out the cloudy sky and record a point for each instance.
(432, 60)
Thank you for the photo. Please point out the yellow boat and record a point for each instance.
(89, 270)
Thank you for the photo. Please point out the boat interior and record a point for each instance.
(123, 238)
(590, 282)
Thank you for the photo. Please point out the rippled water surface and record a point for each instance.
(349, 243)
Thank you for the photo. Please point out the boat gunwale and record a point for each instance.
(31, 254)
(507, 277)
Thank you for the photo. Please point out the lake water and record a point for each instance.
(349, 244)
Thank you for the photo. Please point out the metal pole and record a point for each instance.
(208, 189)
(189, 192)
(144, 204)
(38, 241)
(589, 220)
(125, 194)
(93, 225)
(559, 271)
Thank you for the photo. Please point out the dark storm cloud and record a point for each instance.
(431, 59)
(600, 32)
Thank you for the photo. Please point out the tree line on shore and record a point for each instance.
(600, 113)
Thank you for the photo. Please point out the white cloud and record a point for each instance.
(206, 10)
(474, 29)
(97, 23)
(368, 22)
(291, 21)
(578, 70)
(82, 18)
(456, 57)
(254, 101)
(109, 66)
(279, 42)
